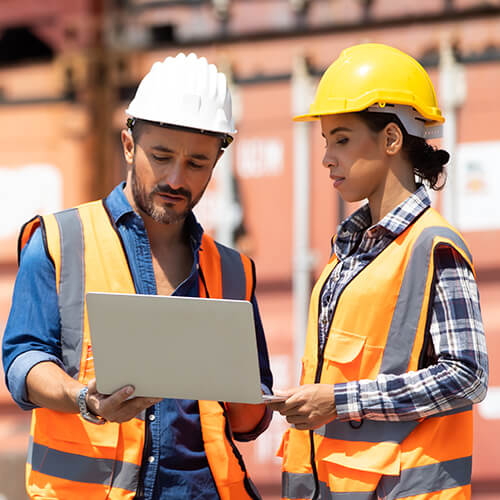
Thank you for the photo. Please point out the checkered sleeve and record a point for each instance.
(457, 371)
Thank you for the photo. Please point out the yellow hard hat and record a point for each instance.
(372, 74)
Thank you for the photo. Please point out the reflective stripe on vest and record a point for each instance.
(412, 482)
(77, 458)
(426, 479)
(71, 294)
(409, 305)
(353, 459)
(375, 431)
(297, 485)
(231, 267)
(81, 468)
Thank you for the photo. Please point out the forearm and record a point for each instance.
(444, 386)
(48, 386)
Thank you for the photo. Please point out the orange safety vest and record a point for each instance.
(69, 457)
(380, 326)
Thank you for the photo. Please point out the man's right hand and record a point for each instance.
(48, 386)
(119, 406)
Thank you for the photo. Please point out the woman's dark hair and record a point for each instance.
(427, 161)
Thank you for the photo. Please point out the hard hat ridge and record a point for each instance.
(185, 91)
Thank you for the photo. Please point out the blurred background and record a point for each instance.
(68, 70)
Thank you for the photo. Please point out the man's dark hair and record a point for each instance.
(136, 125)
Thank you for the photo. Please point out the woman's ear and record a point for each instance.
(128, 146)
(393, 139)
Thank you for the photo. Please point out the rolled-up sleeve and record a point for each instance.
(458, 373)
(32, 332)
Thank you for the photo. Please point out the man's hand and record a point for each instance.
(117, 407)
(308, 406)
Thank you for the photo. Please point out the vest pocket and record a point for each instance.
(71, 433)
(343, 346)
(348, 356)
(380, 458)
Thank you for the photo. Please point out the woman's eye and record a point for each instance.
(344, 140)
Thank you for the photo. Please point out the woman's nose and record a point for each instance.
(328, 161)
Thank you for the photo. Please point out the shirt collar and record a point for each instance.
(395, 222)
(117, 203)
(398, 219)
(119, 207)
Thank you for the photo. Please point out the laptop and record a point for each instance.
(175, 347)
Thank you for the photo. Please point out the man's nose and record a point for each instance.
(174, 175)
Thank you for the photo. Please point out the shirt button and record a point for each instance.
(151, 459)
(152, 418)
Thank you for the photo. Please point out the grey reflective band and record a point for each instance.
(233, 273)
(411, 482)
(371, 431)
(295, 485)
(375, 431)
(301, 485)
(71, 288)
(454, 411)
(82, 469)
(326, 494)
(427, 479)
(403, 330)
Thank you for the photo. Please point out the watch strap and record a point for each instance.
(84, 409)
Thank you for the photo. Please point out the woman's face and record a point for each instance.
(355, 156)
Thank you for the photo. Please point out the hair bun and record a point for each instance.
(442, 156)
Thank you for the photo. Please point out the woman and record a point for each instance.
(395, 352)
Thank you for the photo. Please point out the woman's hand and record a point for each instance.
(308, 406)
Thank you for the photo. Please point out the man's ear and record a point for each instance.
(128, 146)
(393, 139)
(219, 154)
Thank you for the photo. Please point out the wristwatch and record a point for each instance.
(84, 409)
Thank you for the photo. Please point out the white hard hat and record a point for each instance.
(186, 92)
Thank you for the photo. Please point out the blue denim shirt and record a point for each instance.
(174, 465)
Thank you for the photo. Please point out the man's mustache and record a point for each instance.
(166, 189)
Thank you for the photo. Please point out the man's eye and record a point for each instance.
(160, 158)
(195, 165)
(344, 140)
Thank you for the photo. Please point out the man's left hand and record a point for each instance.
(307, 407)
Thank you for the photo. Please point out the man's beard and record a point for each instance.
(162, 214)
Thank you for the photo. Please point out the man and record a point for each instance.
(142, 238)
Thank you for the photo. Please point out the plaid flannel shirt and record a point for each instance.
(456, 372)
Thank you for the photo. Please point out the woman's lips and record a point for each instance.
(337, 181)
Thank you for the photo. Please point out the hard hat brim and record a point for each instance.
(434, 117)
